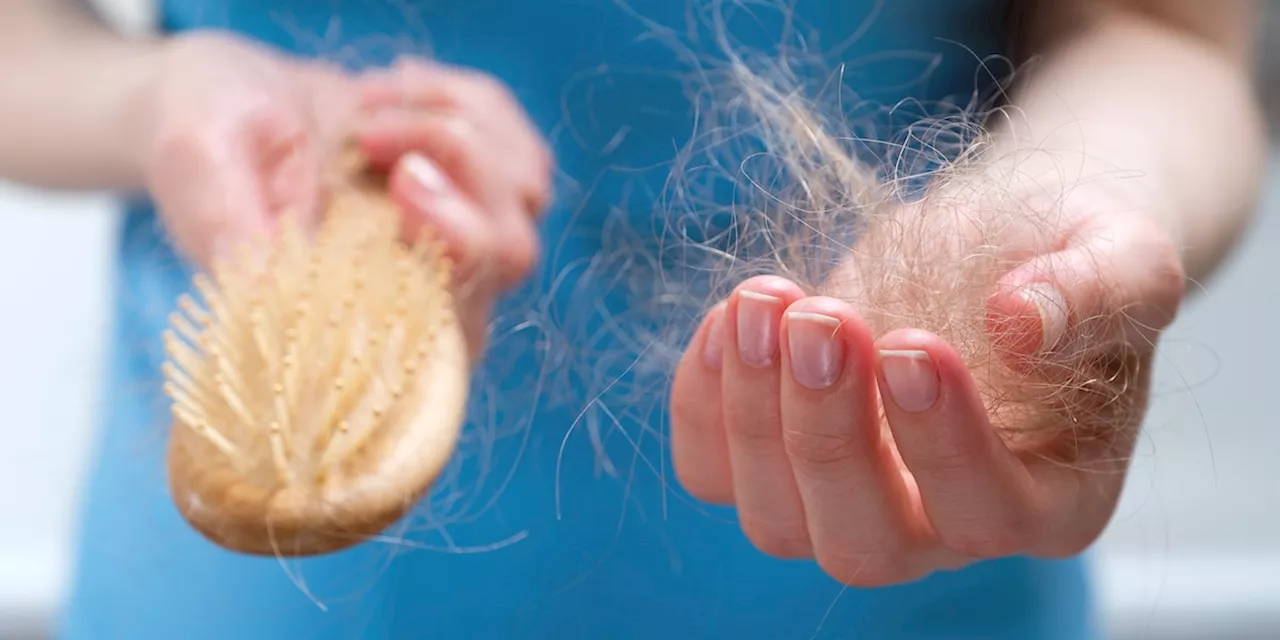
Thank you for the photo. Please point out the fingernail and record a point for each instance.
(713, 347)
(435, 197)
(911, 377)
(817, 352)
(428, 177)
(759, 315)
(1052, 307)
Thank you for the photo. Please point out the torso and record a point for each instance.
(583, 551)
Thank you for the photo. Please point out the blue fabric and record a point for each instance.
(591, 550)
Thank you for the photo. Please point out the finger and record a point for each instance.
(505, 185)
(428, 198)
(416, 85)
(699, 448)
(1080, 324)
(488, 257)
(289, 156)
(453, 143)
(764, 488)
(412, 82)
(979, 497)
(1078, 327)
(417, 88)
(211, 187)
(860, 517)
(1118, 282)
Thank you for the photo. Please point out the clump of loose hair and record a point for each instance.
(914, 232)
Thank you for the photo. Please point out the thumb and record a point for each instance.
(210, 202)
(226, 185)
(1118, 282)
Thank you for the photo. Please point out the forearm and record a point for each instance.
(72, 97)
(1153, 103)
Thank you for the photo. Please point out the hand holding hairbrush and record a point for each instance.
(318, 376)
(318, 381)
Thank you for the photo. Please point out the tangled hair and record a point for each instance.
(914, 232)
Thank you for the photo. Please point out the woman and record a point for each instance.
(222, 119)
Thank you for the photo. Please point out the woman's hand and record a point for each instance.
(880, 456)
(242, 135)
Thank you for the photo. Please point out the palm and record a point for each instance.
(966, 420)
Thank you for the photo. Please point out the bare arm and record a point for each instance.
(1151, 97)
(72, 97)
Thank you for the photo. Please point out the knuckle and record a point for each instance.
(1153, 243)
(488, 87)
(454, 133)
(820, 451)
(409, 63)
(752, 432)
(864, 570)
(519, 255)
(996, 538)
(450, 142)
(702, 486)
(704, 491)
(544, 163)
(537, 192)
(1071, 545)
(411, 71)
(945, 461)
(788, 541)
(179, 144)
(474, 264)
(686, 408)
(465, 86)
(271, 117)
(538, 200)
(1169, 281)
(545, 159)
(1151, 300)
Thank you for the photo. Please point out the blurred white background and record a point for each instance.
(1194, 551)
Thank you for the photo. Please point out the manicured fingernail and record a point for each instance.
(759, 315)
(1052, 307)
(816, 350)
(435, 197)
(713, 347)
(427, 176)
(911, 377)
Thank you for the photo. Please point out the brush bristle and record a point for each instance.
(318, 384)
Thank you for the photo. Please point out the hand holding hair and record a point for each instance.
(978, 399)
(971, 383)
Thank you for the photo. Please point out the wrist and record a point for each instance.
(73, 110)
(134, 108)
(1063, 189)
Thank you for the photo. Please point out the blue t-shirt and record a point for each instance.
(560, 517)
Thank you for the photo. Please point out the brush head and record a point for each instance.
(318, 382)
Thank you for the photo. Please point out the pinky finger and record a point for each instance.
(699, 447)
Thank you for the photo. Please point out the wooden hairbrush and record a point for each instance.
(319, 383)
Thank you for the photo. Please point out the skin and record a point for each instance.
(227, 136)
(798, 448)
